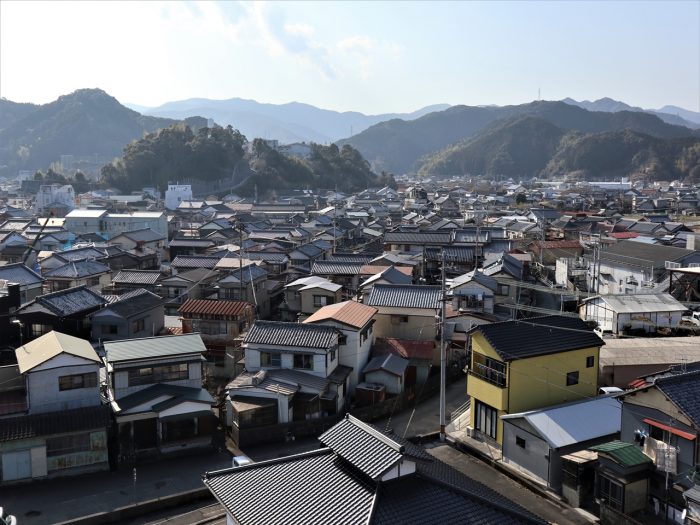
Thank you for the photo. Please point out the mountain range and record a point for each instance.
(669, 114)
(398, 146)
(288, 123)
(87, 122)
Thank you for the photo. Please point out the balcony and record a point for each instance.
(486, 391)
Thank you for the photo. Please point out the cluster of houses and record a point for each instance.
(136, 327)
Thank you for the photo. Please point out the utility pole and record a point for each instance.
(442, 352)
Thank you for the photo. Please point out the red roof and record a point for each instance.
(214, 307)
(623, 235)
(404, 348)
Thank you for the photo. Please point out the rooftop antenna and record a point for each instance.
(538, 94)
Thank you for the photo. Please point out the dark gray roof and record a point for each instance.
(454, 254)
(78, 254)
(277, 333)
(336, 268)
(405, 296)
(390, 363)
(20, 274)
(190, 243)
(134, 303)
(350, 258)
(538, 336)
(194, 261)
(137, 277)
(78, 269)
(312, 488)
(68, 302)
(417, 237)
(287, 490)
(643, 254)
(64, 421)
(684, 391)
(177, 393)
(143, 235)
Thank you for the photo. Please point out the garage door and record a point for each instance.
(16, 465)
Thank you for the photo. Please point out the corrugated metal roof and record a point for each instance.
(336, 268)
(151, 347)
(311, 488)
(214, 307)
(642, 303)
(572, 423)
(277, 333)
(405, 296)
(417, 237)
(350, 313)
(625, 454)
(49, 346)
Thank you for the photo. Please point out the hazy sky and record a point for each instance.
(367, 56)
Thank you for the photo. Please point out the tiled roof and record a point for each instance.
(277, 333)
(152, 347)
(214, 307)
(350, 313)
(636, 253)
(65, 421)
(336, 268)
(371, 269)
(458, 254)
(133, 303)
(190, 243)
(625, 454)
(193, 261)
(684, 391)
(143, 235)
(137, 277)
(417, 237)
(78, 269)
(405, 296)
(20, 274)
(538, 336)
(68, 302)
(175, 393)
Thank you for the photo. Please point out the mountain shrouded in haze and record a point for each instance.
(292, 122)
(669, 114)
(529, 146)
(397, 145)
(86, 122)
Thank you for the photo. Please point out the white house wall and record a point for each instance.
(45, 396)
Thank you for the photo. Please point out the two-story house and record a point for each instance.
(292, 374)
(526, 365)
(155, 384)
(354, 321)
(405, 311)
(88, 273)
(249, 284)
(221, 324)
(57, 424)
(138, 313)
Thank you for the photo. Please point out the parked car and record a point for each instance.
(691, 317)
(240, 461)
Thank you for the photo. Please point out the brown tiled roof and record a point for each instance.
(371, 269)
(403, 347)
(349, 312)
(213, 307)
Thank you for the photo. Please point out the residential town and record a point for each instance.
(153, 327)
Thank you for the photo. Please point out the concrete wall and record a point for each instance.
(394, 384)
(421, 324)
(252, 361)
(533, 458)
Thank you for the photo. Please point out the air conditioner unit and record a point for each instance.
(648, 284)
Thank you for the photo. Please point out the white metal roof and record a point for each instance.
(572, 423)
(641, 303)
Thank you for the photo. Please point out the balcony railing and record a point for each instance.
(490, 375)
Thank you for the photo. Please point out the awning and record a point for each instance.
(676, 431)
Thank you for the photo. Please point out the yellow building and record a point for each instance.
(529, 364)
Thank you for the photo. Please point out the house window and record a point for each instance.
(139, 325)
(320, 300)
(332, 355)
(486, 419)
(158, 374)
(503, 289)
(77, 381)
(398, 319)
(93, 281)
(60, 446)
(304, 361)
(271, 359)
(112, 329)
(590, 361)
(572, 378)
(520, 441)
(342, 340)
(38, 329)
(611, 492)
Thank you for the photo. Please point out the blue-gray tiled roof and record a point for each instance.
(277, 333)
(405, 296)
